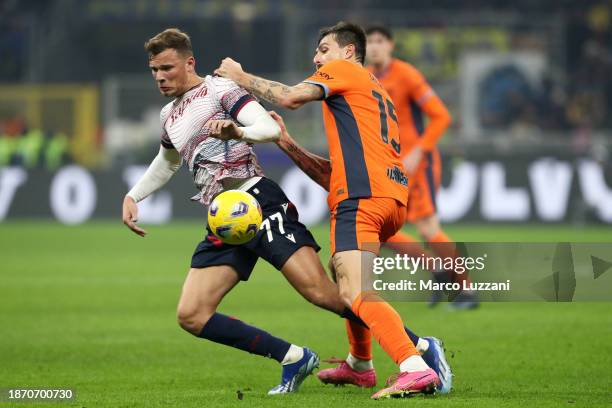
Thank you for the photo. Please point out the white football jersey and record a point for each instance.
(210, 160)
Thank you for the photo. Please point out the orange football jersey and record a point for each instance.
(362, 133)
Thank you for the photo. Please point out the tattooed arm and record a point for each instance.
(291, 97)
(315, 167)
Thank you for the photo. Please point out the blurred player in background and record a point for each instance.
(367, 191)
(413, 99)
(200, 127)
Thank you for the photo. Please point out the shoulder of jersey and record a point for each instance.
(219, 83)
(407, 67)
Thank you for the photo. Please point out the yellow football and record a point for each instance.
(234, 217)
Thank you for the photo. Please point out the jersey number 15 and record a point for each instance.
(384, 128)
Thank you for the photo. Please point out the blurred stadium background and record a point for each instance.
(527, 83)
(92, 307)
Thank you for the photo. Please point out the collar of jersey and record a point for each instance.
(178, 99)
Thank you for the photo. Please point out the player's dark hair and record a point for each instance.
(170, 38)
(347, 33)
(380, 29)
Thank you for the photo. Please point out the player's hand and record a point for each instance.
(229, 69)
(224, 129)
(281, 123)
(412, 160)
(130, 216)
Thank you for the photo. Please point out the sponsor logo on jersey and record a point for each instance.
(397, 175)
(324, 75)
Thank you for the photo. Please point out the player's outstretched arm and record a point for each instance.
(162, 168)
(258, 126)
(290, 97)
(316, 167)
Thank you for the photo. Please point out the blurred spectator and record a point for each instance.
(31, 147)
(590, 63)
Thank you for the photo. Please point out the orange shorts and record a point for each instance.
(423, 186)
(363, 223)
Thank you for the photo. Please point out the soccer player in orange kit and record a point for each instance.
(367, 188)
(413, 99)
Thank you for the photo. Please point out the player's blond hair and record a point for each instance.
(170, 38)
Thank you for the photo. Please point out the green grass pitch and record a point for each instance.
(92, 308)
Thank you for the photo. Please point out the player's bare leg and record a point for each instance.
(347, 267)
(197, 313)
(305, 273)
(357, 369)
(385, 325)
(202, 293)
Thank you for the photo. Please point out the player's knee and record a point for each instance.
(192, 319)
(187, 320)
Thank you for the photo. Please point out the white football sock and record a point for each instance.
(413, 363)
(294, 354)
(422, 346)
(359, 365)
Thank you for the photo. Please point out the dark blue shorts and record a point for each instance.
(280, 236)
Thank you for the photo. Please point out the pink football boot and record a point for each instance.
(408, 384)
(344, 374)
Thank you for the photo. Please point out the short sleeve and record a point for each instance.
(332, 77)
(231, 97)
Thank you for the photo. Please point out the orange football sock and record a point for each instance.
(444, 247)
(385, 325)
(360, 340)
(440, 237)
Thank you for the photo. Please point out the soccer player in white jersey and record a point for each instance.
(211, 124)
